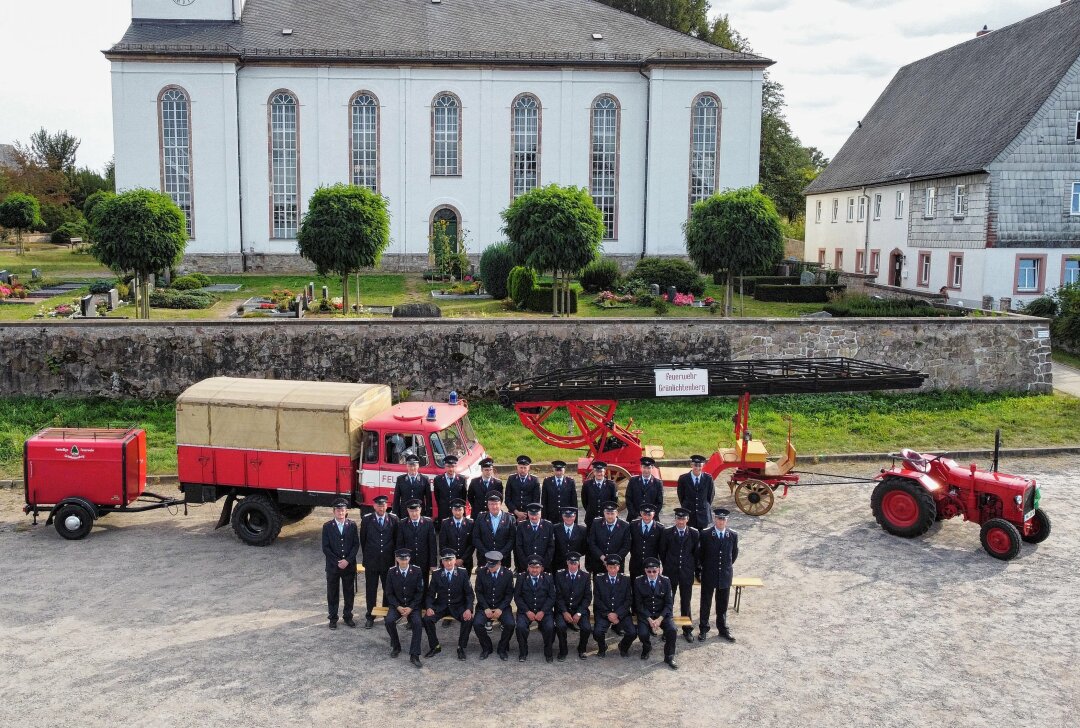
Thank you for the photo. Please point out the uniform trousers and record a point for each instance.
(584, 626)
(705, 609)
(372, 580)
(547, 629)
(602, 626)
(683, 588)
(506, 619)
(414, 623)
(337, 583)
(667, 626)
(440, 612)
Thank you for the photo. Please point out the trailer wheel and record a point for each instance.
(256, 520)
(293, 512)
(903, 507)
(73, 521)
(1000, 538)
(1042, 527)
(754, 497)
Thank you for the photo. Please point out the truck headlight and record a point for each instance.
(1019, 500)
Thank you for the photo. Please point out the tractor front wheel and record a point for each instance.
(1041, 522)
(256, 520)
(1001, 539)
(754, 497)
(903, 507)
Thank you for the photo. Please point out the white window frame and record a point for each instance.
(877, 206)
(604, 160)
(1074, 206)
(930, 202)
(525, 144)
(860, 261)
(1036, 271)
(899, 205)
(838, 259)
(364, 140)
(704, 147)
(875, 261)
(960, 201)
(817, 212)
(446, 135)
(836, 209)
(923, 274)
(174, 109)
(851, 209)
(284, 165)
(956, 271)
(862, 207)
(1065, 271)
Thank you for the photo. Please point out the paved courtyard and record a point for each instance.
(161, 620)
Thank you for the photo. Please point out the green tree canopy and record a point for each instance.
(19, 212)
(55, 151)
(685, 16)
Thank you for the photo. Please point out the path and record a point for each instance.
(1066, 379)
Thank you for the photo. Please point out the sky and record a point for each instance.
(833, 57)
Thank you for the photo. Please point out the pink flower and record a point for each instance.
(468, 279)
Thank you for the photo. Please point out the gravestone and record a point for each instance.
(87, 307)
(310, 294)
(301, 306)
(113, 299)
(821, 278)
(987, 303)
(417, 310)
(671, 292)
(35, 274)
(325, 293)
(817, 315)
(1005, 304)
(807, 278)
(5, 277)
(654, 290)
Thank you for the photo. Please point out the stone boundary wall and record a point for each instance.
(433, 356)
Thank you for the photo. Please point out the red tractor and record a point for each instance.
(924, 489)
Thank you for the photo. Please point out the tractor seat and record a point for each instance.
(728, 454)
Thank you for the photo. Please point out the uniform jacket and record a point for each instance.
(477, 494)
(520, 493)
(573, 597)
(420, 540)
(407, 591)
(608, 598)
(555, 499)
(539, 598)
(717, 556)
(594, 493)
(652, 603)
(377, 542)
(405, 490)
(539, 542)
(602, 542)
(680, 556)
(638, 494)
(337, 546)
(697, 499)
(459, 539)
(494, 593)
(484, 539)
(565, 544)
(642, 546)
(457, 593)
(446, 491)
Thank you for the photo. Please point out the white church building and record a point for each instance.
(449, 108)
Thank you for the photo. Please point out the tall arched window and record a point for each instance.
(704, 143)
(525, 134)
(604, 162)
(284, 172)
(364, 120)
(175, 114)
(446, 136)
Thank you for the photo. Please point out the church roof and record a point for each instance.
(954, 112)
(7, 156)
(534, 32)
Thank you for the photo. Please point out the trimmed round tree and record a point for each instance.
(736, 231)
(346, 228)
(139, 231)
(20, 212)
(555, 229)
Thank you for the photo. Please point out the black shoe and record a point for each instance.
(415, 660)
(581, 654)
(562, 657)
(701, 636)
(624, 651)
(433, 651)
(725, 635)
(504, 655)
(645, 652)
(670, 661)
(333, 625)
(484, 654)
(549, 658)
(601, 653)
(349, 622)
(395, 651)
(461, 653)
(689, 635)
(369, 623)
(522, 657)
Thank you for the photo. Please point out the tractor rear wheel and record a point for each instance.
(1042, 527)
(73, 521)
(1000, 538)
(754, 497)
(256, 520)
(294, 512)
(903, 507)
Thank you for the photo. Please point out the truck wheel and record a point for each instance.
(1000, 538)
(73, 522)
(256, 520)
(293, 512)
(1042, 527)
(903, 507)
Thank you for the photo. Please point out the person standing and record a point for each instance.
(481, 485)
(611, 606)
(695, 492)
(522, 488)
(405, 587)
(534, 598)
(535, 537)
(610, 535)
(340, 544)
(597, 490)
(494, 594)
(417, 534)
(558, 491)
(569, 536)
(449, 595)
(679, 556)
(653, 601)
(378, 537)
(456, 532)
(573, 597)
(495, 530)
(412, 485)
(644, 488)
(719, 549)
(645, 535)
(448, 486)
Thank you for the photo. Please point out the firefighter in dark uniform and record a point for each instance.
(417, 533)
(679, 555)
(719, 548)
(340, 544)
(653, 600)
(378, 536)
(595, 492)
(558, 492)
(534, 598)
(644, 488)
(569, 536)
(480, 486)
(448, 486)
(449, 594)
(535, 537)
(412, 485)
(645, 535)
(610, 535)
(494, 594)
(405, 587)
(522, 488)
(611, 606)
(495, 530)
(695, 492)
(573, 597)
(456, 532)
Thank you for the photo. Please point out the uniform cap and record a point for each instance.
(612, 559)
(450, 460)
(412, 460)
(403, 554)
(573, 557)
(524, 460)
(494, 496)
(569, 512)
(721, 512)
(699, 459)
(535, 561)
(682, 513)
(533, 508)
(611, 506)
(598, 465)
(647, 461)
(493, 557)
(414, 503)
(457, 503)
(487, 463)
(380, 499)
(341, 503)
(647, 508)
(448, 554)
(652, 563)
(558, 464)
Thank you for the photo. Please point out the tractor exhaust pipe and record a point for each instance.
(997, 450)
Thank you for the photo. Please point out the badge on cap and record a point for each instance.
(721, 512)
(412, 460)
(487, 463)
(652, 563)
(598, 465)
(494, 496)
(647, 461)
(524, 460)
(449, 554)
(611, 506)
(380, 500)
(341, 503)
(493, 557)
(558, 464)
(611, 559)
(569, 512)
(533, 508)
(698, 459)
(450, 460)
(414, 503)
(647, 508)
(682, 513)
(403, 554)
(535, 561)
(457, 503)
(573, 557)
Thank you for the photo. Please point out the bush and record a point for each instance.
(538, 300)
(865, 307)
(660, 306)
(187, 283)
(1043, 306)
(599, 275)
(495, 266)
(63, 234)
(53, 216)
(520, 283)
(670, 272)
(796, 294)
(169, 298)
(749, 283)
(101, 286)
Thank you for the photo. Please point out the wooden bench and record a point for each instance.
(683, 622)
(383, 611)
(744, 582)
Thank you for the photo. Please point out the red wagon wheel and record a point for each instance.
(754, 497)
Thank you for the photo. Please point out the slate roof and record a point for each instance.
(954, 112)
(7, 156)
(451, 31)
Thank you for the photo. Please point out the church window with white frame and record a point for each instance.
(604, 161)
(284, 165)
(704, 146)
(525, 135)
(364, 127)
(446, 136)
(175, 111)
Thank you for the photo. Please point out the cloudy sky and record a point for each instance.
(833, 57)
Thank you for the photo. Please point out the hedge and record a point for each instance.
(750, 283)
(864, 307)
(495, 266)
(169, 298)
(599, 275)
(538, 300)
(796, 294)
(521, 280)
(667, 272)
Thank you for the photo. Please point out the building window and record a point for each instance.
(1070, 271)
(838, 259)
(877, 207)
(851, 209)
(817, 211)
(704, 143)
(525, 135)
(899, 205)
(446, 136)
(175, 114)
(956, 270)
(1074, 207)
(604, 161)
(284, 177)
(862, 208)
(875, 261)
(931, 202)
(1029, 274)
(835, 209)
(364, 120)
(821, 256)
(924, 269)
(860, 258)
(449, 216)
(960, 203)
(1076, 136)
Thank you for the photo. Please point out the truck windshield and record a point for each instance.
(468, 432)
(447, 442)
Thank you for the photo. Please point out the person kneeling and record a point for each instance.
(449, 595)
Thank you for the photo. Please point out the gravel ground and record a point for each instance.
(161, 620)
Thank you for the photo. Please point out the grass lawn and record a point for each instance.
(54, 262)
(1062, 357)
(839, 423)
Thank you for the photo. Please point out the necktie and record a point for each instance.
(380, 522)
(404, 574)
(558, 482)
(645, 529)
(611, 527)
(572, 577)
(534, 582)
(569, 532)
(416, 524)
(449, 576)
(652, 585)
(695, 482)
(682, 534)
(534, 529)
(612, 581)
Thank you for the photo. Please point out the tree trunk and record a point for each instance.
(566, 292)
(146, 295)
(135, 297)
(345, 294)
(358, 305)
(555, 293)
(728, 292)
(18, 241)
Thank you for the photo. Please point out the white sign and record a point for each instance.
(1042, 333)
(682, 382)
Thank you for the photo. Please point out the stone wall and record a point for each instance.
(160, 359)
